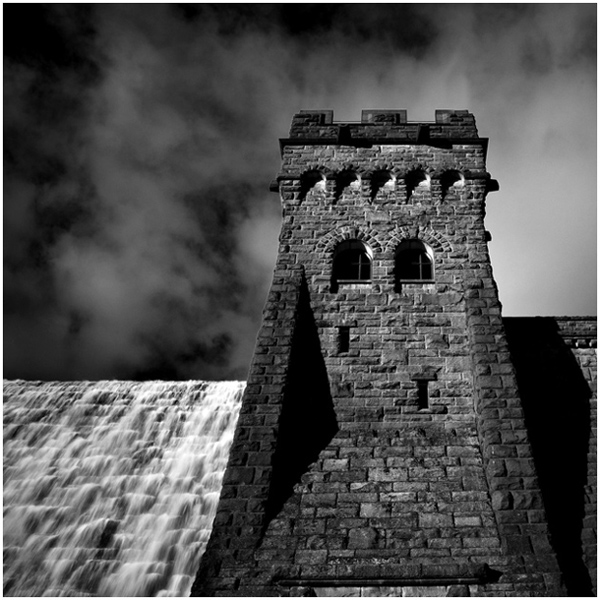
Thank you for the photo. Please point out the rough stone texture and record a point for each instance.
(381, 491)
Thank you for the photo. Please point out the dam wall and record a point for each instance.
(111, 487)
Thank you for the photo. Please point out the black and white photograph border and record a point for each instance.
(140, 241)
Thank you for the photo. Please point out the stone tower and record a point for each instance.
(381, 447)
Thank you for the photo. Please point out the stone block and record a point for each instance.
(467, 521)
(520, 545)
(427, 520)
(527, 500)
(364, 537)
(335, 464)
(375, 509)
(502, 500)
(311, 557)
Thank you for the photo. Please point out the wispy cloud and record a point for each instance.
(139, 232)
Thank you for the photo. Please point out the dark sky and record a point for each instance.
(140, 140)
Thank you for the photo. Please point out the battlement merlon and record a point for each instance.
(378, 126)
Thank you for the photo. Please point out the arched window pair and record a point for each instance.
(352, 262)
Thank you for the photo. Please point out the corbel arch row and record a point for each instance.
(446, 173)
(380, 176)
(449, 175)
(319, 171)
(316, 169)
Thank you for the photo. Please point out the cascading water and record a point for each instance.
(110, 488)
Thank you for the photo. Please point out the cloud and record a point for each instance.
(140, 235)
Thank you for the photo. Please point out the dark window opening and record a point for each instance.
(379, 180)
(422, 393)
(414, 262)
(413, 180)
(310, 180)
(352, 262)
(343, 342)
(448, 180)
(344, 180)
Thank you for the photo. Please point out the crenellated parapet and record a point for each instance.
(391, 126)
(383, 156)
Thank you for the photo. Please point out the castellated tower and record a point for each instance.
(381, 447)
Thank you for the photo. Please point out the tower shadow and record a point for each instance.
(556, 405)
(308, 421)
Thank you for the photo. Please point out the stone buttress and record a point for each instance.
(381, 447)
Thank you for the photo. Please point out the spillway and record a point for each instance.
(110, 488)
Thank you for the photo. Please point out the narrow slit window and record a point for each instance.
(343, 339)
(422, 393)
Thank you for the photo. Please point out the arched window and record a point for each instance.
(352, 261)
(414, 261)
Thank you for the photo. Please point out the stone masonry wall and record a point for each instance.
(396, 493)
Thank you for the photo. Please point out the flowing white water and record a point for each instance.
(110, 488)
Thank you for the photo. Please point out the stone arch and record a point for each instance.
(437, 241)
(419, 166)
(451, 179)
(346, 178)
(416, 178)
(351, 166)
(381, 178)
(320, 167)
(310, 179)
(329, 241)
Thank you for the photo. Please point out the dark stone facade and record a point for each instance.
(382, 446)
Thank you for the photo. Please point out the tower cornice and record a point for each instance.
(369, 141)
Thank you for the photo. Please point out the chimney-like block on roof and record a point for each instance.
(377, 115)
(450, 116)
(315, 117)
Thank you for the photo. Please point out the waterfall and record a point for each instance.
(110, 488)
